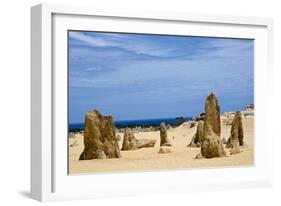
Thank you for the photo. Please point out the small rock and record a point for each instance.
(198, 156)
(164, 150)
(235, 151)
(145, 143)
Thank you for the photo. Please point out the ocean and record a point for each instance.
(138, 123)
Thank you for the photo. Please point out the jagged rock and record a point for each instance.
(145, 143)
(212, 114)
(129, 140)
(197, 137)
(164, 141)
(164, 150)
(99, 136)
(236, 134)
(211, 144)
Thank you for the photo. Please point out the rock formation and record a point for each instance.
(212, 114)
(236, 134)
(99, 137)
(164, 141)
(211, 144)
(129, 140)
(145, 143)
(198, 136)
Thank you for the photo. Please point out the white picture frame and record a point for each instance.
(49, 179)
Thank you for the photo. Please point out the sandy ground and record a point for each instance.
(148, 158)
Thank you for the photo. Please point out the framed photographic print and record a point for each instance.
(137, 102)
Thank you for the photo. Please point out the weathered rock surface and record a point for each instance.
(237, 133)
(164, 150)
(99, 137)
(145, 143)
(129, 140)
(212, 114)
(211, 144)
(164, 141)
(101, 154)
(198, 136)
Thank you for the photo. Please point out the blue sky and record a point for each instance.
(135, 76)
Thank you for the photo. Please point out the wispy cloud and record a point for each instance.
(138, 46)
(130, 74)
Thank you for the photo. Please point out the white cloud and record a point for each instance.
(119, 41)
(93, 41)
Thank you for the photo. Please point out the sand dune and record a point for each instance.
(148, 158)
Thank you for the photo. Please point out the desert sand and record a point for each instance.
(148, 159)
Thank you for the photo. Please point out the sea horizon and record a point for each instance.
(172, 121)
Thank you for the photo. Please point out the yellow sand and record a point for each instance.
(148, 158)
